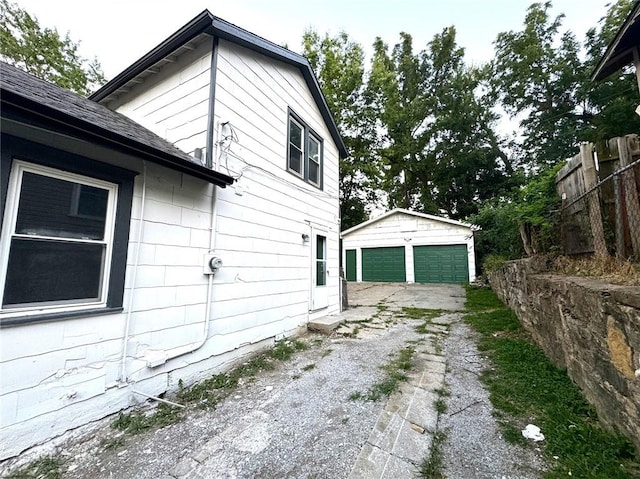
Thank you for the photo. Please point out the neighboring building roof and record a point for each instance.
(205, 22)
(410, 213)
(620, 51)
(33, 98)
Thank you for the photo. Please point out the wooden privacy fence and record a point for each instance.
(600, 199)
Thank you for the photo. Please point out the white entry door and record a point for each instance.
(319, 290)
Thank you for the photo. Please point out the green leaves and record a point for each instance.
(44, 53)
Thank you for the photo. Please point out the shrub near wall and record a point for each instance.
(587, 326)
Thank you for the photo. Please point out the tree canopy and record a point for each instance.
(42, 52)
(421, 124)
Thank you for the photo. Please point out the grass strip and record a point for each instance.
(525, 387)
(396, 370)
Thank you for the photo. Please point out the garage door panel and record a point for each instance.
(383, 264)
(441, 264)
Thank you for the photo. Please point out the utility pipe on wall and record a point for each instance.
(127, 325)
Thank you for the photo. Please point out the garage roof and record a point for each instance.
(410, 213)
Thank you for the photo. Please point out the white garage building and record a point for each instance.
(406, 246)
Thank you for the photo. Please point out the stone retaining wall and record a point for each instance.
(587, 326)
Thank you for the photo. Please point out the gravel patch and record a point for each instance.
(296, 421)
(474, 448)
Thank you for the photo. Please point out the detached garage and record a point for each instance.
(406, 246)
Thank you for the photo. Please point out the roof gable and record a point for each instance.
(620, 51)
(401, 211)
(207, 23)
(32, 97)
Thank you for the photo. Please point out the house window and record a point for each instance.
(65, 221)
(57, 239)
(304, 151)
(321, 260)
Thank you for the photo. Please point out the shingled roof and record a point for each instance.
(34, 98)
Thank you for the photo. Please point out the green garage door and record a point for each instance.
(441, 264)
(383, 264)
(351, 264)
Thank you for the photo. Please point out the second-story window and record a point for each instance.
(304, 151)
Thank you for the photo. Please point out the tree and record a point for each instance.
(339, 66)
(611, 102)
(536, 73)
(437, 143)
(44, 53)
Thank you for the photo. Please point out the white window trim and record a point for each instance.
(8, 232)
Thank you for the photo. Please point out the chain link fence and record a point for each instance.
(604, 219)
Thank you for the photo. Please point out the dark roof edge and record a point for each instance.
(114, 140)
(205, 22)
(179, 38)
(598, 73)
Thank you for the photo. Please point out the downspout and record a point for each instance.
(127, 325)
(209, 158)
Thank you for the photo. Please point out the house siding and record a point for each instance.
(68, 372)
(405, 230)
(174, 103)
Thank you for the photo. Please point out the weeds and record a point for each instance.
(526, 387)
(206, 394)
(421, 313)
(396, 373)
(440, 405)
(47, 467)
(137, 422)
(432, 467)
(115, 443)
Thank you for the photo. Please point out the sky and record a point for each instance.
(118, 32)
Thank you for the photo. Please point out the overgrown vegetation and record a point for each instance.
(47, 467)
(526, 388)
(608, 268)
(396, 372)
(432, 466)
(207, 393)
(137, 422)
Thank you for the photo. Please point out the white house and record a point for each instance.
(406, 246)
(148, 270)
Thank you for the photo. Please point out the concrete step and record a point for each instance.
(325, 324)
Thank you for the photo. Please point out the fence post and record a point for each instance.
(595, 216)
(631, 195)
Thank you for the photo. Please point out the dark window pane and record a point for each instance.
(313, 172)
(321, 278)
(295, 159)
(320, 249)
(59, 208)
(92, 201)
(45, 270)
(295, 134)
(314, 150)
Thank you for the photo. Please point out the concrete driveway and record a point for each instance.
(308, 418)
